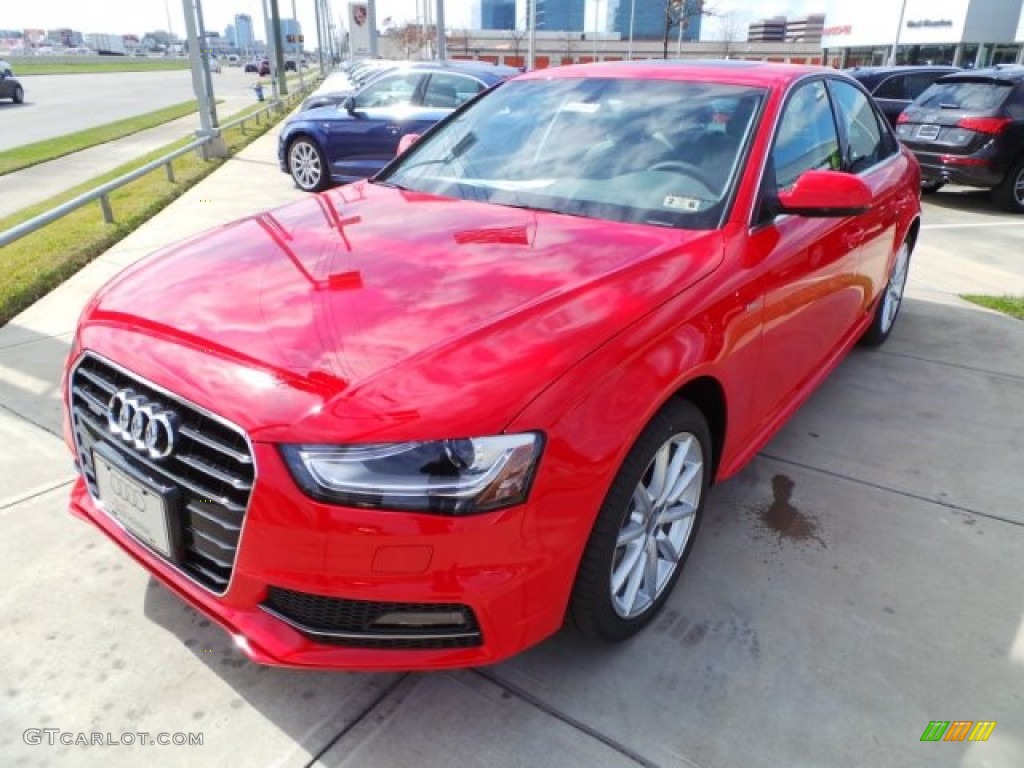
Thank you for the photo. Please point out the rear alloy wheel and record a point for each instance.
(646, 526)
(891, 301)
(19, 95)
(1010, 194)
(307, 165)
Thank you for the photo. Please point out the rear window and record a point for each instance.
(967, 95)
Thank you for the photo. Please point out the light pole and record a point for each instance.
(597, 22)
(531, 22)
(442, 40)
(899, 28)
(632, 15)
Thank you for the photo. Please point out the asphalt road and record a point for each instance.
(59, 104)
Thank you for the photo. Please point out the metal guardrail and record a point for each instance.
(102, 192)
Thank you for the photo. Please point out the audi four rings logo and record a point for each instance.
(142, 423)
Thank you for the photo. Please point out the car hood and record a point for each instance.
(386, 311)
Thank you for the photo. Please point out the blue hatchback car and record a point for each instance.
(355, 139)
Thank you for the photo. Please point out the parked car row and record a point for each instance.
(964, 127)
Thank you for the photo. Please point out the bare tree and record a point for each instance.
(407, 37)
(729, 29)
(568, 39)
(679, 14)
(518, 36)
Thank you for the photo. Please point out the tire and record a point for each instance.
(19, 95)
(891, 300)
(931, 187)
(633, 547)
(1009, 195)
(307, 165)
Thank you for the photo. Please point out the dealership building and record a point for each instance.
(965, 33)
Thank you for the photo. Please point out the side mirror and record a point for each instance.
(407, 141)
(825, 194)
(349, 104)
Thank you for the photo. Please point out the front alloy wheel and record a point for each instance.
(645, 529)
(658, 526)
(307, 166)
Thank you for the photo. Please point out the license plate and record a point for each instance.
(928, 132)
(143, 511)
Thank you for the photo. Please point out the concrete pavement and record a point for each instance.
(859, 579)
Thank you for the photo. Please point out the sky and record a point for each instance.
(140, 16)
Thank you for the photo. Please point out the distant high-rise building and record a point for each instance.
(243, 37)
(649, 21)
(560, 15)
(229, 35)
(498, 14)
(767, 30)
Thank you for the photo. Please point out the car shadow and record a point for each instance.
(968, 200)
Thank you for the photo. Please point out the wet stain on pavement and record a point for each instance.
(785, 520)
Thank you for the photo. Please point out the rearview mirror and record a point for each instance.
(823, 194)
(407, 141)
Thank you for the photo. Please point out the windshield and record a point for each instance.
(660, 152)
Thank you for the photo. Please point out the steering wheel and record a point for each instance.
(689, 169)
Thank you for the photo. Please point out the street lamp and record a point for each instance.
(632, 15)
(899, 28)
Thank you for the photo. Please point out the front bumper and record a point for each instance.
(292, 545)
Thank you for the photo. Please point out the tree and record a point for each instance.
(729, 29)
(517, 35)
(678, 13)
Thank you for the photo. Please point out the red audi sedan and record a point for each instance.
(421, 421)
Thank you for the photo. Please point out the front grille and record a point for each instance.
(211, 466)
(354, 623)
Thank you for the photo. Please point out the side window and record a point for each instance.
(893, 88)
(1015, 104)
(865, 145)
(807, 136)
(388, 91)
(450, 91)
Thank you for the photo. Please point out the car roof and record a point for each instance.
(872, 76)
(1009, 73)
(727, 71)
(471, 67)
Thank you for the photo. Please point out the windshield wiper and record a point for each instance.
(391, 184)
(454, 153)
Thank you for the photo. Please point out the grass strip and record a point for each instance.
(70, 65)
(1008, 305)
(36, 264)
(43, 151)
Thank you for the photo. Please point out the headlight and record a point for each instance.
(455, 477)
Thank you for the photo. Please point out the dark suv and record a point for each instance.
(893, 88)
(968, 128)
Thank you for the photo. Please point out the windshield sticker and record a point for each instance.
(679, 203)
